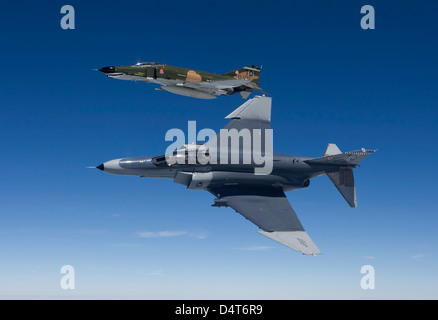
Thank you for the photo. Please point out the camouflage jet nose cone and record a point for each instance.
(111, 69)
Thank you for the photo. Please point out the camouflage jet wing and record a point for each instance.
(269, 209)
(216, 86)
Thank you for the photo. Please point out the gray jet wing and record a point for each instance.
(253, 114)
(269, 209)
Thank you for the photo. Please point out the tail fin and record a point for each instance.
(251, 73)
(331, 150)
(342, 173)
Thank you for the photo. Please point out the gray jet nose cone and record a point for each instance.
(111, 69)
(100, 167)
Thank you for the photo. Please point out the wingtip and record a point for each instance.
(312, 254)
(262, 91)
(296, 240)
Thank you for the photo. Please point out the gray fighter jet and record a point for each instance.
(259, 197)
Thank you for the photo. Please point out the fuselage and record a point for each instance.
(288, 172)
(161, 71)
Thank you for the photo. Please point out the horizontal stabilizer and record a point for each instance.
(344, 182)
(245, 94)
(296, 240)
(351, 158)
(339, 168)
(255, 86)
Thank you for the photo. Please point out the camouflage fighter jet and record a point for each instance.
(259, 198)
(188, 82)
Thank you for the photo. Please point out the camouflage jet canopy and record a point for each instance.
(188, 82)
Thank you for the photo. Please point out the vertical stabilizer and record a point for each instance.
(331, 150)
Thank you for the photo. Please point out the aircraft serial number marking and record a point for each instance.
(302, 242)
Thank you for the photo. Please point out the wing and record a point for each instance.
(214, 86)
(252, 118)
(269, 209)
(253, 114)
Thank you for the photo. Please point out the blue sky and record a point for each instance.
(127, 237)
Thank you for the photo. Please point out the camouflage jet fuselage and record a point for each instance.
(189, 82)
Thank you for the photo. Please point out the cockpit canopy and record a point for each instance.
(182, 156)
(148, 64)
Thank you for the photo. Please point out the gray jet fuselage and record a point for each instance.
(288, 172)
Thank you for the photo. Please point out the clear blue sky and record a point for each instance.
(330, 81)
